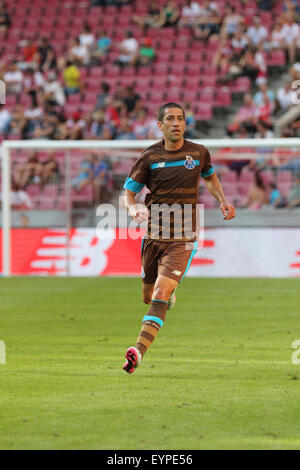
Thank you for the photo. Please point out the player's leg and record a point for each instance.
(147, 292)
(155, 317)
(149, 255)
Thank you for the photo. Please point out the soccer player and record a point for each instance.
(171, 170)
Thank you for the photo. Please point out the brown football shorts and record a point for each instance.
(171, 259)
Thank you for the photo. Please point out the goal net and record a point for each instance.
(54, 194)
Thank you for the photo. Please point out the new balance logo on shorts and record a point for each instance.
(176, 272)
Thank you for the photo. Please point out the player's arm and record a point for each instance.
(138, 211)
(133, 185)
(215, 188)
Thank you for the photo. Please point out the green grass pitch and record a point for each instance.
(218, 376)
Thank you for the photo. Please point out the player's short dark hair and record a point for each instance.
(161, 112)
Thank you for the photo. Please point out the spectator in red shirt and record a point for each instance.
(30, 56)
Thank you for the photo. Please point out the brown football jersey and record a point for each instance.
(173, 179)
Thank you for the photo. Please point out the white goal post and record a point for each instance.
(8, 145)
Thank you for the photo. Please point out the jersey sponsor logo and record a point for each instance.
(177, 273)
(161, 164)
(189, 162)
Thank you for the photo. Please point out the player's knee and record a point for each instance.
(162, 293)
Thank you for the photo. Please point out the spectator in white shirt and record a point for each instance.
(13, 79)
(190, 11)
(5, 118)
(284, 96)
(291, 35)
(277, 37)
(257, 32)
(87, 38)
(78, 53)
(19, 199)
(33, 80)
(129, 48)
(54, 92)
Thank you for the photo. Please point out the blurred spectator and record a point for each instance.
(190, 122)
(78, 53)
(100, 178)
(222, 54)
(131, 100)
(29, 172)
(85, 174)
(265, 5)
(125, 131)
(291, 37)
(257, 195)
(263, 132)
(141, 125)
(103, 95)
(17, 123)
(294, 194)
(30, 57)
(19, 199)
(277, 37)
(208, 23)
(239, 43)
(291, 7)
(275, 198)
(4, 19)
(169, 16)
(53, 90)
(294, 71)
(50, 170)
(46, 56)
(102, 45)
(246, 116)
(86, 38)
(265, 109)
(260, 61)
(13, 79)
(248, 64)
(33, 81)
(97, 125)
(5, 119)
(231, 22)
(284, 97)
(34, 112)
(45, 128)
(129, 48)
(190, 11)
(263, 90)
(75, 126)
(257, 32)
(112, 115)
(146, 53)
(71, 76)
(150, 18)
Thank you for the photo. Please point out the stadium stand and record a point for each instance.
(55, 58)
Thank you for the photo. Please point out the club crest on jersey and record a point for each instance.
(189, 162)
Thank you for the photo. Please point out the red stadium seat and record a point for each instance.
(203, 112)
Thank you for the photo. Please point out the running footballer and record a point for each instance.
(171, 170)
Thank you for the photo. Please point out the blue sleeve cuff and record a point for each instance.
(133, 186)
(208, 173)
